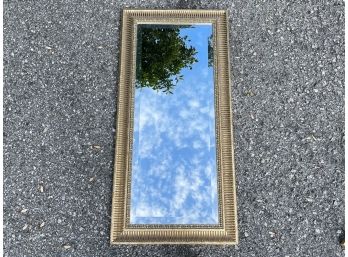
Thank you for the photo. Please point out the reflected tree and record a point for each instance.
(210, 51)
(161, 54)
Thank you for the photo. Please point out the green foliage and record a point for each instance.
(162, 53)
(210, 51)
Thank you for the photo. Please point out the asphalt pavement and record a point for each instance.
(60, 81)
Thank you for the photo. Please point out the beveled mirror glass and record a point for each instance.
(174, 171)
(174, 162)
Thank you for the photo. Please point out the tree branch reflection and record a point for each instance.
(161, 55)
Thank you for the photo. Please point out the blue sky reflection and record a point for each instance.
(174, 178)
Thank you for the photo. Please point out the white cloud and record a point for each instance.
(194, 103)
(197, 144)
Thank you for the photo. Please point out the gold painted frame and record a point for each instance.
(122, 232)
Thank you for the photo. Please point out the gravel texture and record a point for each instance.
(61, 70)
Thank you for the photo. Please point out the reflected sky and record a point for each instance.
(174, 178)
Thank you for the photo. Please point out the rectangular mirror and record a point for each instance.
(174, 179)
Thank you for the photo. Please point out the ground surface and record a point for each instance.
(61, 70)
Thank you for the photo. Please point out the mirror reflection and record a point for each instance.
(174, 173)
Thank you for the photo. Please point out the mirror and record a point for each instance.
(174, 180)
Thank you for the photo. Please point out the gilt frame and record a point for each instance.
(122, 232)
